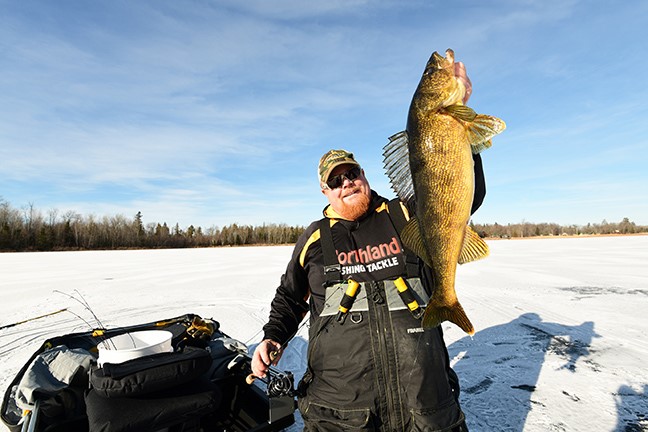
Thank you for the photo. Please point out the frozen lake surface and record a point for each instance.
(561, 341)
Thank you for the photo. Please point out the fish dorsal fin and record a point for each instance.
(474, 247)
(396, 162)
(413, 240)
(482, 129)
(461, 112)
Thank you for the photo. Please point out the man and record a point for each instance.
(371, 366)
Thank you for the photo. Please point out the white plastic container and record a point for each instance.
(128, 346)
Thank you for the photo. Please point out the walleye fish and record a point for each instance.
(430, 167)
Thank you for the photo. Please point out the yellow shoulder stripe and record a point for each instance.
(385, 207)
(405, 212)
(312, 239)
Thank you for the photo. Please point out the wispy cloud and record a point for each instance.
(202, 112)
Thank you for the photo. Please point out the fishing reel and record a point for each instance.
(281, 384)
(280, 388)
(278, 384)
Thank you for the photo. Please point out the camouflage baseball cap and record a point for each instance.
(330, 160)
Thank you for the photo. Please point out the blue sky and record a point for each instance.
(215, 112)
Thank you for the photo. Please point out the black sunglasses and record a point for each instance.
(337, 181)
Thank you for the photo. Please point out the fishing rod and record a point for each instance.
(83, 303)
(33, 319)
(275, 353)
(347, 301)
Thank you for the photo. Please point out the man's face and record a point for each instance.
(351, 200)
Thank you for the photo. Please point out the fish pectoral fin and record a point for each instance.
(461, 112)
(474, 247)
(478, 148)
(413, 240)
(481, 130)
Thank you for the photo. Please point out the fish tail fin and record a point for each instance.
(435, 315)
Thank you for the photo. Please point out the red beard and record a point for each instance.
(358, 208)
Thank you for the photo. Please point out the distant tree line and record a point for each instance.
(528, 229)
(28, 229)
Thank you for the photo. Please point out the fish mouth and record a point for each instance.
(437, 61)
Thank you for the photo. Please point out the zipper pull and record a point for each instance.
(376, 295)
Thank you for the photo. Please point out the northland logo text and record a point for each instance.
(370, 258)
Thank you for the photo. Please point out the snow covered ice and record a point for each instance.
(561, 335)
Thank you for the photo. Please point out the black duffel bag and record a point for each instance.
(152, 392)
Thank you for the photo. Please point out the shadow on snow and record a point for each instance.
(632, 407)
(503, 365)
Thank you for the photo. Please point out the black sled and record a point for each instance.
(200, 386)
